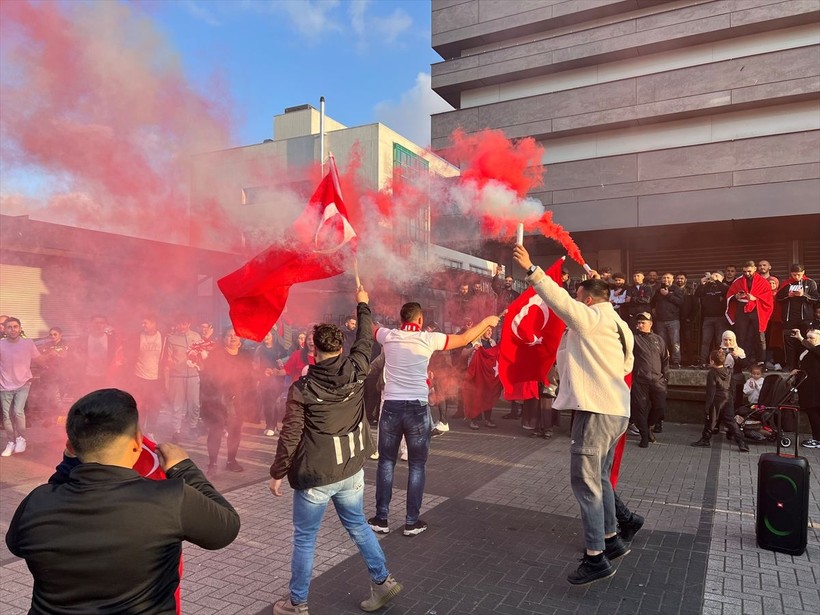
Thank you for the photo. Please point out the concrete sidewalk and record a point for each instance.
(504, 533)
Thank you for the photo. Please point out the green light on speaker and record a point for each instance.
(790, 481)
(772, 529)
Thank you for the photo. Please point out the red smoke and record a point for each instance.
(496, 176)
(489, 155)
(92, 96)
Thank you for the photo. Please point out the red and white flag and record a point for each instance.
(322, 239)
(481, 385)
(529, 337)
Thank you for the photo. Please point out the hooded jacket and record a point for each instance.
(325, 435)
(718, 383)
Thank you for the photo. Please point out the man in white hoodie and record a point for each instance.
(593, 358)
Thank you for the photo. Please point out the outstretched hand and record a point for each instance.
(522, 257)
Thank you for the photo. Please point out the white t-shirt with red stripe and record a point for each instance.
(407, 354)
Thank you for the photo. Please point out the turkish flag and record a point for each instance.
(761, 290)
(482, 388)
(321, 239)
(529, 337)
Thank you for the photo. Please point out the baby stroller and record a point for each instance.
(759, 421)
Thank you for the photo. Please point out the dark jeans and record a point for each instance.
(791, 346)
(410, 419)
(749, 337)
(648, 404)
(232, 423)
(710, 335)
(726, 415)
(669, 330)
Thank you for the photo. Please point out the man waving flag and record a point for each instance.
(323, 241)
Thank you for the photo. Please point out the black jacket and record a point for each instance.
(668, 307)
(712, 297)
(798, 309)
(503, 295)
(718, 385)
(809, 390)
(108, 541)
(325, 435)
(651, 358)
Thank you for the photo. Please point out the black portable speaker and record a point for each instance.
(783, 500)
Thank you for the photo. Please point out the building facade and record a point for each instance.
(681, 135)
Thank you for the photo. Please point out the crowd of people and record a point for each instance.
(324, 389)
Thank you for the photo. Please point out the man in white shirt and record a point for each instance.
(16, 355)
(148, 387)
(405, 412)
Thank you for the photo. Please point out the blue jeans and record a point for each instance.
(14, 411)
(308, 509)
(412, 420)
(592, 450)
(669, 330)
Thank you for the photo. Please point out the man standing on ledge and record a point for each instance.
(405, 411)
(594, 356)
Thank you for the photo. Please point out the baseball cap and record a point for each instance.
(644, 316)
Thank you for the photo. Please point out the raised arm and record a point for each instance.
(460, 340)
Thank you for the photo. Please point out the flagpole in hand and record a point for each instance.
(356, 273)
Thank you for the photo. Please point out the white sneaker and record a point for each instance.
(806, 443)
(10, 449)
(20, 445)
(442, 426)
(270, 432)
(778, 367)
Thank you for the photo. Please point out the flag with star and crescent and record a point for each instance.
(530, 335)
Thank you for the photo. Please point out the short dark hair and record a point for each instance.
(12, 319)
(410, 311)
(681, 273)
(57, 329)
(227, 331)
(796, 268)
(595, 288)
(619, 274)
(637, 271)
(96, 419)
(750, 264)
(328, 337)
(606, 270)
(718, 357)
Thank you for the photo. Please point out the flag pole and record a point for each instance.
(356, 272)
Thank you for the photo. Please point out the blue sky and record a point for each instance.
(370, 59)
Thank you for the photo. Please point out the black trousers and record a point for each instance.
(749, 337)
(648, 401)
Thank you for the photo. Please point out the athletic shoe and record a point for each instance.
(286, 607)
(743, 447)
(211, 469)
(591, 570)
(270, 432)
(417, 528)
(778, 367)
(615, 548)
(10, 449)
(474, 425)
(375, 456)
(19, 445)
(659, 427)
(810, 443)
(703, 442)
(436, 432)
(631, 527)
(527, 427)
(381, 594)
(442, 427)
(490, 424)
(632, 430)
(233, 466)
(378, 525)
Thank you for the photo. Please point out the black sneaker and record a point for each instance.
(378, 525)
(510, 416)
(703, 442)
(615, 548)
(436, 432)
(631, 527)
(659, 427)
(591, 570)
(417, 528)
(743, 447)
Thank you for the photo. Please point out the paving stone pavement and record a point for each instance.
(504, 532)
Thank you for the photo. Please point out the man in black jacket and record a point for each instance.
(650, 374)
(712, 296)
(108, 541)
(324, 442)
(667, 303)
(797, 296)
